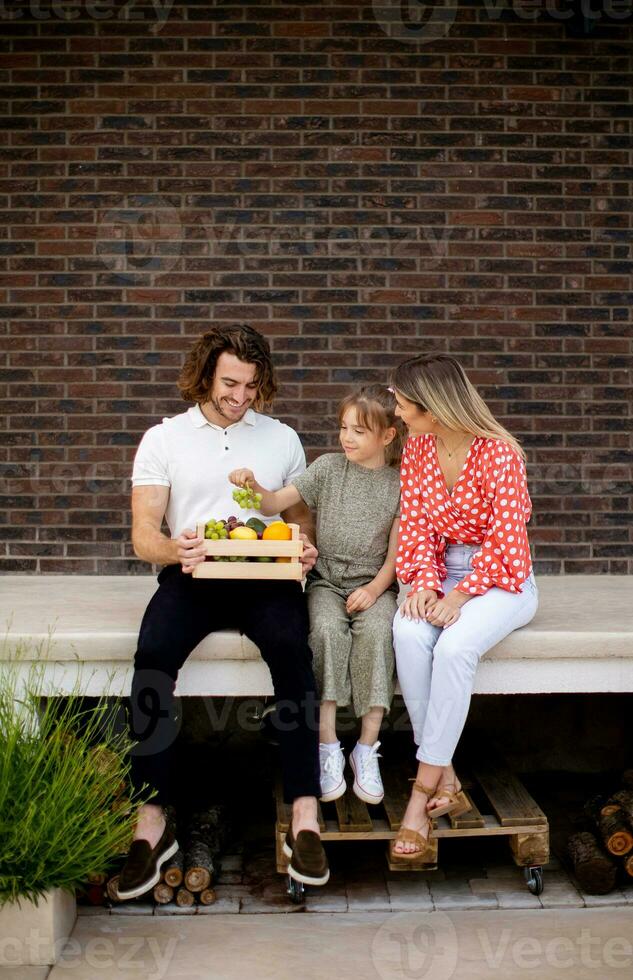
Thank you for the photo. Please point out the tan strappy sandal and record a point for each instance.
(426, 850)
(458, 802)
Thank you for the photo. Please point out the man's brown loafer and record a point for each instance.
(308, 862)
(141, 870)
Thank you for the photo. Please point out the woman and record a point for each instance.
(463, 549)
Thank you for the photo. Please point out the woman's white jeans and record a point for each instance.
(436, 667)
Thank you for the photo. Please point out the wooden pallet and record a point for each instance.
(505, 809)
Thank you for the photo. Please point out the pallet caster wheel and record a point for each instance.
(296, 891)
(534, 879)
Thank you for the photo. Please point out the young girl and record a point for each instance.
(352, 590)
(463, 548)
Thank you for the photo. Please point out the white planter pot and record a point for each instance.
(35, 936)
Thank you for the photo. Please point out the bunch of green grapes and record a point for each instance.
(245, 497)
(215, 530)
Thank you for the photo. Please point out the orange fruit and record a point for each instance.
(277, 531)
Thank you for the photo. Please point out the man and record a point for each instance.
(181, 473)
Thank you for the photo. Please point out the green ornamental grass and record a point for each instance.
(62, 771)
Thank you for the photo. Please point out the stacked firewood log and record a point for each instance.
(602, 853)
(188, 876)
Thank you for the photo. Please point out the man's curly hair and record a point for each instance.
(196, 378)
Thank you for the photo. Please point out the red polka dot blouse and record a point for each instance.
(488, 505)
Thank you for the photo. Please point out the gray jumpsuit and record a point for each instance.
(355, 508)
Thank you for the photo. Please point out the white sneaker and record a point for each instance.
(367, 782)
(332, 764)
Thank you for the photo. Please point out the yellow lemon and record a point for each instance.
(243, 534)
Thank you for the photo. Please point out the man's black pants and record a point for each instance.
(274, 615)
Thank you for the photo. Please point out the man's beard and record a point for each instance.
(217, 404)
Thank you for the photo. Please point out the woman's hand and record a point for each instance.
(242, 477)
(444, 612)
(360, 599)
(415, 605)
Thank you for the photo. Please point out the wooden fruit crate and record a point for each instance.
(291, 549)
(505, 809)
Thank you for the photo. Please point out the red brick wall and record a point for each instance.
(354, 189)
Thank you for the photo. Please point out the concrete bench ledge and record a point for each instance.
(85, 628)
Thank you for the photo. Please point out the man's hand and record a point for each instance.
(310, 554)
(415, 605)
(446, 611)
(190, 550)
(360, 599)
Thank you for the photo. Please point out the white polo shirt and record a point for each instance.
(193, 457)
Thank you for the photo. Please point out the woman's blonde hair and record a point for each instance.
(437, 383)
(376, 410)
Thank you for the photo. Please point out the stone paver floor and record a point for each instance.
(473, 875)
(571, 944)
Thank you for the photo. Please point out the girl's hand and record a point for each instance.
(444, 612)
(415, 606)
(360, 599)
(241, 477)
